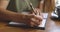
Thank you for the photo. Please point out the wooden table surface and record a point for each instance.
(51, 26)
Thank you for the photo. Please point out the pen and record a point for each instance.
(30, 5)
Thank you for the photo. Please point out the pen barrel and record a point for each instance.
(32, 8)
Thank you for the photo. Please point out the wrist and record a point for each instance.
(18, 17)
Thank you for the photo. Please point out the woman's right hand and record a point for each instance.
(29, 19)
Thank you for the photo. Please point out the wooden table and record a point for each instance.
(51, 26)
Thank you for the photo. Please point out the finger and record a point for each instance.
(37, 12)
(37, 17)
(33, 24)
(37, 22)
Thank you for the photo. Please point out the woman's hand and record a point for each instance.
(33, 19)
(29, 19)
(38, 13)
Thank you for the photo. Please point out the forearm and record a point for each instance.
(8, 15)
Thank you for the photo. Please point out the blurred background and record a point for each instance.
(49, 5)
